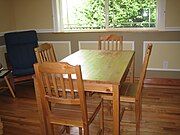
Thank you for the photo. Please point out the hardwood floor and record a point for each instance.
(160, 116)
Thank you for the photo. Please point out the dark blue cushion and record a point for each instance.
(20, 48)
(22, 72)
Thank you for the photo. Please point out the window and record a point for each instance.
(106, 14)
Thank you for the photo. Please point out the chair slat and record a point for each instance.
(47, 84)
(46, 52)
(71, 86)
(55, 85)
(62, 85)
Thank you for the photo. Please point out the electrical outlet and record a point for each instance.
(165, 64)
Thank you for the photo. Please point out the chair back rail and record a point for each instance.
(110, 42)
(143, 71)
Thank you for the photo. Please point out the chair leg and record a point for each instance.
(11, 81)
(67, 129)
(50, 129)
(9, 86)
(86, 129)
(102, 118)
(80, 131)
(140, 108)
(137, 117)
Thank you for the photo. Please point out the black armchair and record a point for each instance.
(20, 53)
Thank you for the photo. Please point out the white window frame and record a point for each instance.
(58, 22)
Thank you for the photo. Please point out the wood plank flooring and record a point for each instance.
(161, 113)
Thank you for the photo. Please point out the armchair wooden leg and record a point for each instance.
(9, 86)
(11, 81)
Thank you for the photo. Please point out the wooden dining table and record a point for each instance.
(102, 71)
(105, 71)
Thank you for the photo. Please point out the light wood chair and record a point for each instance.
(45, 52)
(110, 42)
(132, 92)
(61, 84)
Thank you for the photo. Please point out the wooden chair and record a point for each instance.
(132, 92)
(45, 52)
(110, 42)
(61, 84)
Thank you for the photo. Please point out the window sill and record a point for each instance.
(112, 30)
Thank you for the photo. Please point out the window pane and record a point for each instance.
(90, 14)
(83, 14)
(132, 13)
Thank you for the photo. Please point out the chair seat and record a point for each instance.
(71, 114)
(129, 89)
(22, 72)
(128, 92)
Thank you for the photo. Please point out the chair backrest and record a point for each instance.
(143, 71)
(110, 42)
(61, 83)
(45, 53)
(20, 49)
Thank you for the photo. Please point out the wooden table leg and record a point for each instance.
(132, 69)
(116, 110)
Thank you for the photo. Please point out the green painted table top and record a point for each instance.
(102, 66)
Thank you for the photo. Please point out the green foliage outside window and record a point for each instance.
(121, 13)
